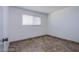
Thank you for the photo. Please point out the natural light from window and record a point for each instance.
(31, 20)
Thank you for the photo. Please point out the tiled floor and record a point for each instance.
(44, 44)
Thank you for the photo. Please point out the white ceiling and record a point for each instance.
(44, 9)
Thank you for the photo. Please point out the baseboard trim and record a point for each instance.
(48, 36)
(29, 38)
(64, 39)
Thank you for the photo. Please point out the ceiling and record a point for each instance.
(43, 9)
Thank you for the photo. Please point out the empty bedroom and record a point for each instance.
(39, 29)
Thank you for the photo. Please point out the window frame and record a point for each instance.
(32, 20)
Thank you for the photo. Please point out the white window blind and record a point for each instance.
(31, 20)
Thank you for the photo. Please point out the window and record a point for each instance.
(30, 20)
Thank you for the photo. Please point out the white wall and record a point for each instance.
(17, 31)
(1, 29)
(5, 21)
(65, 23)
(1, 23)
(5, 27)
